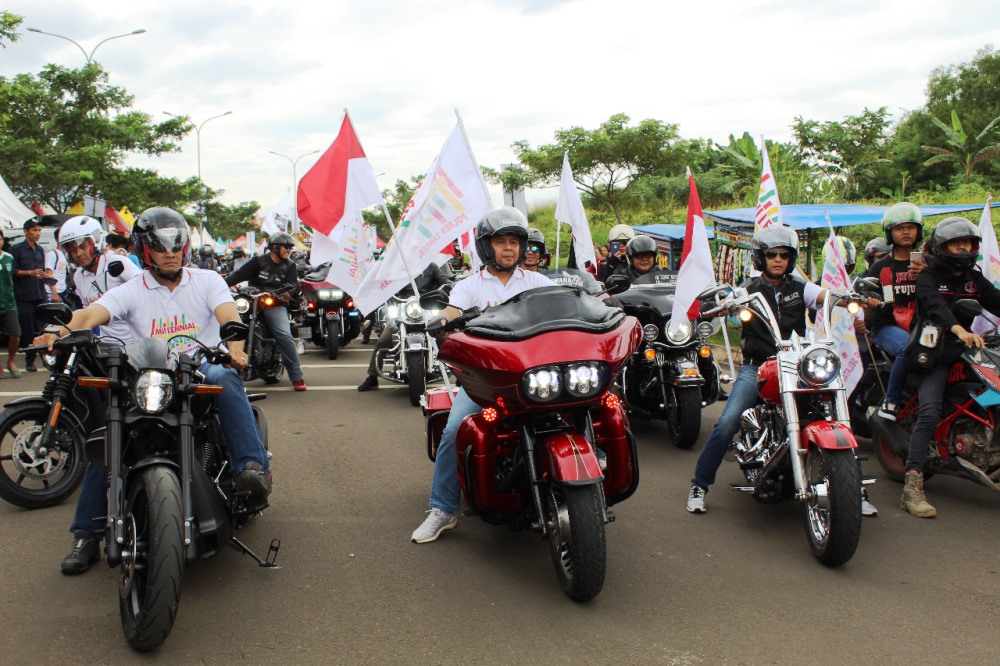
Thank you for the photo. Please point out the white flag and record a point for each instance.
(845, 341)
(277, 218)
(569, 210)
(450, 200)
(989, 264)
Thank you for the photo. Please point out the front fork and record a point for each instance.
(797, 452)
(63, 385)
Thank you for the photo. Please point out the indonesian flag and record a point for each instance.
(696, 273)
(277, 219)
(845, 341)
(989, 264)
(115, 220)
(569, 210)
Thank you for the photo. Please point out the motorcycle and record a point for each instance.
(797, 443)
(673, 374)
(261, 347)
(541, 365)
(171, 496)
(330, 315)
(411, 355)
(965, 443)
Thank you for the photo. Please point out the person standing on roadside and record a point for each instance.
(29, 286)
(9, 324)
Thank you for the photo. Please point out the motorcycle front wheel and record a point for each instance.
(416, 376)
(152, 558)
(30, 477)
(833, 514)
(575, 531)
(332, 340)
(684, 416)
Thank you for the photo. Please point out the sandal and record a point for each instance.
(13, 374)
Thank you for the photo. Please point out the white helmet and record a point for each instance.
(622, 233)
(81, 227)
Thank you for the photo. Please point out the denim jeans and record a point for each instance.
(892, 340)
(446, 489)
(238, 425)
(277, 321)
(931, 394)
(742, 397)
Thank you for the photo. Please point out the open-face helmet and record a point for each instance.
(902, 213)
(640, 245)
(502, 221)
(772, 238)
(82, 227)
(876, 246)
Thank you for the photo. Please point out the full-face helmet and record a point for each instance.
(161, 230)
(950, 229)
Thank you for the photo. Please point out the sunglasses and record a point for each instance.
(535, 248)
(287, 246)
(777, 254)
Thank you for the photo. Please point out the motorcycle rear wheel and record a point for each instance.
(684, 417)
(29, 480)
(575, 530)
(416, 376)
(332, 340)
(833, 523)
(152, 558)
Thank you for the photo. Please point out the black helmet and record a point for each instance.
(239, 252)
(639, 245)
(536, 237)
(502, 221)
(162, 230)
(950, 229)
(876, 246)
(280, 238)
(774, 236)
(207, 251)
(902, 213)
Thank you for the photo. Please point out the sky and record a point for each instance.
(514, 69)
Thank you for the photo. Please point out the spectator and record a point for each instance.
(9, 324)
(29, 285)
(57, 266)
(121, 245)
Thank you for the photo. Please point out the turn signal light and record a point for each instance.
(311, 305)
(349, 303)
(705, 351)
(269, 300)
(650, 354)
(207, 389)
(611, 401)
(490, 414)
(94, 382)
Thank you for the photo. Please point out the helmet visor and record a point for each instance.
(171, 239)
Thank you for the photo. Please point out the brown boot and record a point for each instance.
(913, 499)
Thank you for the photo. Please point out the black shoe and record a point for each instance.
(31, 368)
(255, 481)
(370, 384)
(366, 340)
(85, 551)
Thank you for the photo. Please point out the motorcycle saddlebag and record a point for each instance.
(437, 407)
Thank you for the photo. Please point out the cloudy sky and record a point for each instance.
(515, 69)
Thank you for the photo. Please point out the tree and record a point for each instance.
(8, 27)
(395, 202)
(229, 221)
(609, 161)
(965, 151)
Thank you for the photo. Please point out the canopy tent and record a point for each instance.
(13, 213)
(670, 241)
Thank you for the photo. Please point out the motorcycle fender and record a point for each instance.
(45, 404)
(828, 435)
(415, 342)
(570, 459)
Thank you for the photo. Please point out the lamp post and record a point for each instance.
(88, 56)
(203, 218)
(295, 186)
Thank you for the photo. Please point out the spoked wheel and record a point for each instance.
(833, 514)
(32, 475)
(152, 558)
(575, 530)
(416, 376)
(684, 416)
(332, 340)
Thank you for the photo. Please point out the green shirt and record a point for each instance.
(7, 302)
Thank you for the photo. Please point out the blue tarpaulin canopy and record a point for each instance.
(813, 216)
(667, 231)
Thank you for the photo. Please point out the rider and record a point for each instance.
(501, 240)
(206, 258)
(618, 237)
(903, 225)
(875, 250)
(268, 272)
(537, 251)
(168, 292)
(950, 275)
(641, 256)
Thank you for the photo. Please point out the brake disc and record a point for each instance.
(29, 462)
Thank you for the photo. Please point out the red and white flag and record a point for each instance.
(696, 273)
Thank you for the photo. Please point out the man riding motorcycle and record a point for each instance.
(273, 271)
(206, 258)
(641, 255)
(166, 293)
(501, 243)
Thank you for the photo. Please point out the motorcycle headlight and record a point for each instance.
(153, 391)
(819, 367)
(584, 379)
(392, 312)
(243, 304)
(650, 332)
(542, 384)
(681, 335)
(330, 294)
(705, 329)
(413, 311)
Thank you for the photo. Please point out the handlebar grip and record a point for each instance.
(34, 348)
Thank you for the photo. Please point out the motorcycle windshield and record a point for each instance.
(658, 297)
(542, 310)
(573, 277)
(149, 353)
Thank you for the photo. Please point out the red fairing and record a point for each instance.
(313, 286)
(571, 459)
(767, 382)
(610, 425)
(828, 435)
(478, 446)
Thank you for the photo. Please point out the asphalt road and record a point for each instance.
(737, 585)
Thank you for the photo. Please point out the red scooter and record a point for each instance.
(551, 450)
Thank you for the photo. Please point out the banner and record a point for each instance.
(989, 264)
(845, 341)
(279, 217)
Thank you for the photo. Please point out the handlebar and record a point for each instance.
(456, 324)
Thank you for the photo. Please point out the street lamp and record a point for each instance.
(295, 186)
(197, 129)
(90, 56)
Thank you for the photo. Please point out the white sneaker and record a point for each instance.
(696, 500)
(436, 522)
(888, 411)
(867, 508)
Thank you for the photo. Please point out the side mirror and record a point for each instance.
(716, 293)
(116, 268)
(616, 284)
(54, 313)
(967, 309)
(434, 300)
(867, 285)
(233, 330)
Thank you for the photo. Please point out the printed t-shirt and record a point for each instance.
(482, 290)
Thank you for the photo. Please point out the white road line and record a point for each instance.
(289, 389)
(331, 364)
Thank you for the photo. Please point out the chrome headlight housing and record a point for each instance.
(819, 366)
(412, 310)
(705, 329)
(681, 336)
(573, 381)
(330, 294)
(542, 384)
(153, 391)
(650, 332)
(243, 304)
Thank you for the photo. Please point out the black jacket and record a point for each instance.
(787, 301)
(263, 273)
(938, 289)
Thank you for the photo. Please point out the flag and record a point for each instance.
(845, 341)
(127, 217)
(696, 273)
(449, 201)
(989, 264)
(75, 209)
(768, 205)
(277, 219)
(115, 220)
(569, 210)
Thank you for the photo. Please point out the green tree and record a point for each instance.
(609, 161)
(229, 221)
(396, 199)
(965, 151)
(9, 24)
(143, 188)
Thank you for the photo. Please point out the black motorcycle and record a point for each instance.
(330, 315)
(261, 347)
(171, 495)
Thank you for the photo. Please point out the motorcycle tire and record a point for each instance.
(416, 376)
(332, 340)
(575, 526)
(153, 558)
(37, 483)
(833, 526)
(684, 417)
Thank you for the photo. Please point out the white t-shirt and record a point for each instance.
(482, 290)
(56, 262)
(153, 311)
(91, 286)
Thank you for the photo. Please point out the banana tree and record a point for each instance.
(965, 151)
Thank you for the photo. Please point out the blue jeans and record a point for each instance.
(277, 321)
(892, 339)
(446, 489)
(742, 397)
(931, 395)
(238, 425)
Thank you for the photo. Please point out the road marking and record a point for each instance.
(286, 389)
(333, 365)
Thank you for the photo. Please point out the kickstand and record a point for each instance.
(272, 552)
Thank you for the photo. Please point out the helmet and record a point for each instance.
(846, 248)
(621, 232)
(499, 222)
(162, 230)
(207, 251)
(80, 228)
(774, 236)
(536, 237)
(280, 238)
(875, 246)
(239, 252)
(954, 228)
(902, 213)
(638, 245)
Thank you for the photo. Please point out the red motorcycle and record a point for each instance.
(329, 312)
(551, 450)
